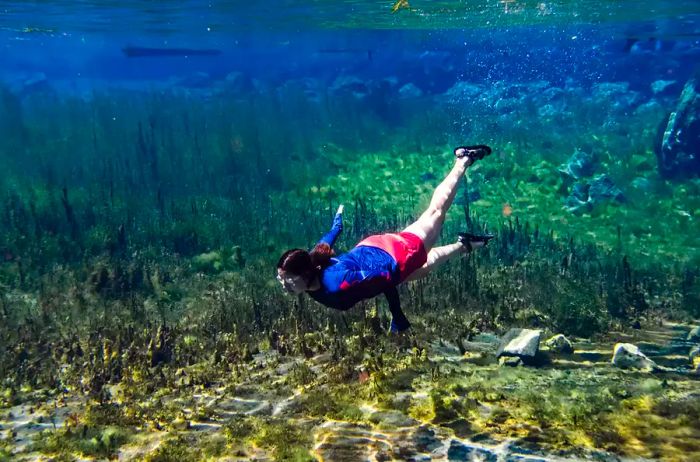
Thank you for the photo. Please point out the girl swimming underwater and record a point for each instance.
(379, 263)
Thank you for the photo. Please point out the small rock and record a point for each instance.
(392, 419)
(460, 450)
(580, 164)
(410, 91)
(522, 343)
(510, 361)
(642, 184)
(548, 110)
(694, 357)
(602, 187)
(426, 440)
(694, 334)
(628, 356)
(180, 424)
(560, 344)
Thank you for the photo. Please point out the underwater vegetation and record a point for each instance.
(137, 248)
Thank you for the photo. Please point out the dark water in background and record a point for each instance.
(80, 43)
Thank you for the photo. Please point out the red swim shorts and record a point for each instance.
(406, 248)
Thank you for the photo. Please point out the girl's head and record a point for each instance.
(297, 269)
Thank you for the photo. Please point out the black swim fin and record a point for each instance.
(476, 152)
(468, 238)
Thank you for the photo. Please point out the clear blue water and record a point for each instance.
(157, 157)
(83, 41)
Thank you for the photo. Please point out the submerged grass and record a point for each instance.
(286, 440)
(99, 442)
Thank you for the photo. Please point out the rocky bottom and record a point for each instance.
(420, 404)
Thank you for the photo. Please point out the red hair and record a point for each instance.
(306, 264)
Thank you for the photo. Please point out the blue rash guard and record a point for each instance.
(363, 272)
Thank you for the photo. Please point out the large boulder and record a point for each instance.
(520, 343)
(628, 356)
(678, 149)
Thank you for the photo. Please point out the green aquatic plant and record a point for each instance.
(180, 448)
(88, 441)
(286, 441)
(335, 403)
(300, 375)
(5, 450)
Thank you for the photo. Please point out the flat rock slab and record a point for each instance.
(392, 419)
(522, 343)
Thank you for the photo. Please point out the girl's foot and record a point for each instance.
(473, 241)
(474, 153)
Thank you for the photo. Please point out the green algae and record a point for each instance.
(178, 448)
(288, 442)
(338, 404)
(301, 374)
(5, 450)
(101, 442)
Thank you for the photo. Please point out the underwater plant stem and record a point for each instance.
(70, 216)
(4, 306)
(467, 213)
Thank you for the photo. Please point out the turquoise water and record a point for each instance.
(156, 159)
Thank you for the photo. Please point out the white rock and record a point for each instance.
(628, 356)
(694, 334)
(520, 342)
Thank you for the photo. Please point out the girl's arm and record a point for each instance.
(331, 236)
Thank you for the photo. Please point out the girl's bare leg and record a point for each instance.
(429, 224)
(436, 257)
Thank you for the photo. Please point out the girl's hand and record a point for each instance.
(340, 209)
